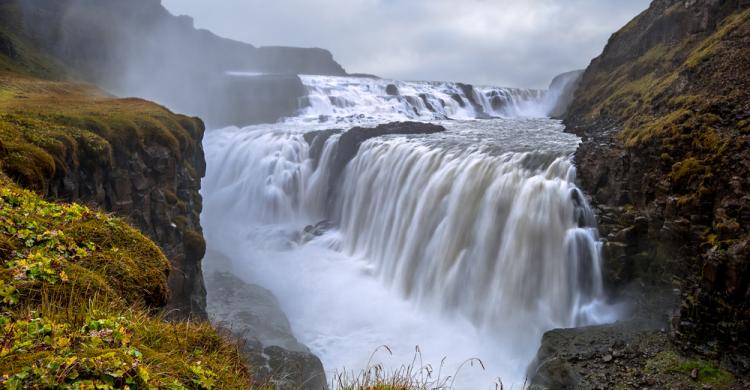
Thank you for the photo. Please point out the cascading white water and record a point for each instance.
(493, 237)
(356, 99)
(480, 233)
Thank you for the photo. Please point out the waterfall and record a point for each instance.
(469, 243)
(488, 236)
(492, 237)
(357, 99)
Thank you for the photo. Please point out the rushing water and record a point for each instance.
(333, 98)
(468, 243)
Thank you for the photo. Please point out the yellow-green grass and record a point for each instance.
(51, 127)
(80, 292)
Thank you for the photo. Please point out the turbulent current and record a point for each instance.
(469, 243)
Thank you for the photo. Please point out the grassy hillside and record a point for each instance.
(80, 292)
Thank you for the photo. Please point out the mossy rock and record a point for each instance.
(70, 252)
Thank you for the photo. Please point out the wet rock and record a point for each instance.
(456, 97)
(317, 230)
(682, 206)
(391, 90)
(252, 314)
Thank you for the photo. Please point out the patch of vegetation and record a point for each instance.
(79, 291)
(413, 376)
(699, 372)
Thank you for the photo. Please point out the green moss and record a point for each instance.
(713, 43)
(195, 245)
(51, 128)
(706, 372)
(110, 351)
(78, 290)
(685, 171)
(63, 246)
(29, 165)
(170, 197)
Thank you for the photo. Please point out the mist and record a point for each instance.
(137, 48)
(508, 43)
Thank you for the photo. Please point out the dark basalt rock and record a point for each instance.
(673, 207)
(317, 140)
(458, 99)
(426, 102)
(352, 139)
(391, 90)
(252, 314)
(607, 356)
(157, 190)
(469, 92)
(317, 230)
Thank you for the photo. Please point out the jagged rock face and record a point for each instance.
(157, 190)
(665, 117)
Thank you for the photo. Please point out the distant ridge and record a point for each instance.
(138, 48)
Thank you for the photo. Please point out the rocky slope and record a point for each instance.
(665, 117)
(137, 48)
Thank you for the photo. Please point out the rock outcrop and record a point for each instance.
(71, 142)
(350, 141)
(252, 314)
(665, 117)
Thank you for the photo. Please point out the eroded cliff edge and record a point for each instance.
(70, 142)
(664, 114)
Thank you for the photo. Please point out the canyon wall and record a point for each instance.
(665, 117)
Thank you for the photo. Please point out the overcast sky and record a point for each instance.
(516, 43)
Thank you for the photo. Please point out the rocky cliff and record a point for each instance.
(665, 117)
(70, 142)
(137, 48)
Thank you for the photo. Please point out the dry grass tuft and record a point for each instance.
(413, 376)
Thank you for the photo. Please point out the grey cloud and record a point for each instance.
(520, 43)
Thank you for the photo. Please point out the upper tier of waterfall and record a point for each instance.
(334, 99)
